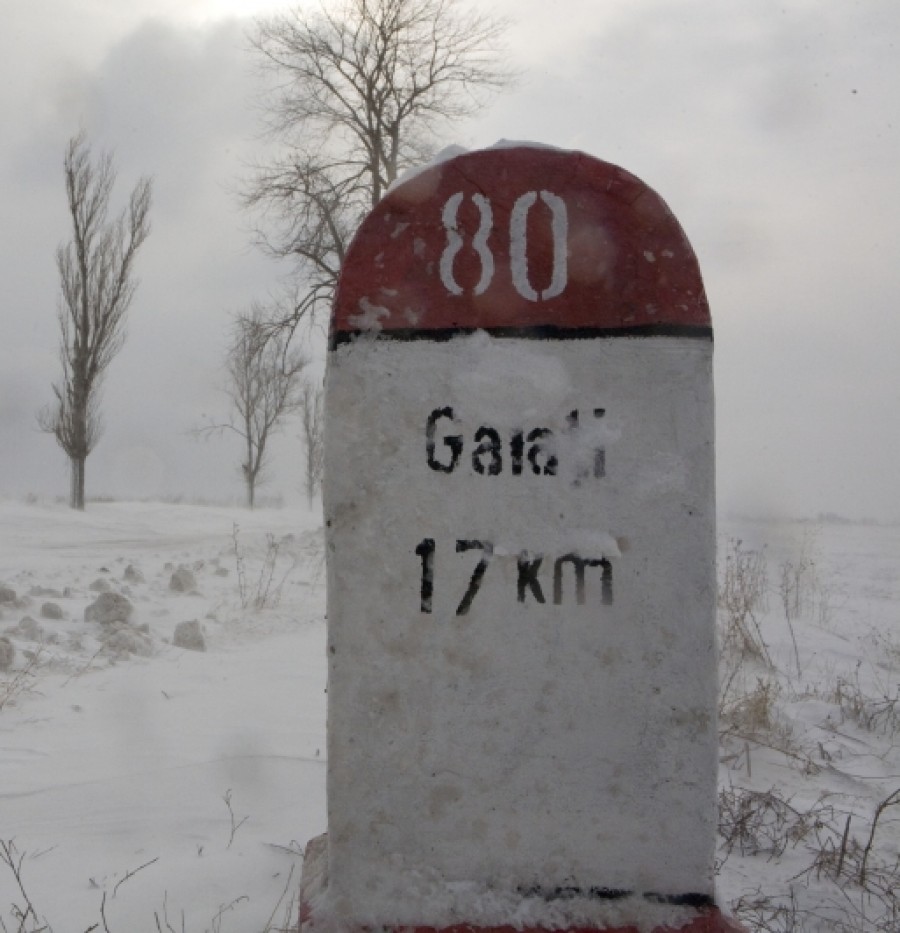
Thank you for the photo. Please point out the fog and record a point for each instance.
(770, 129)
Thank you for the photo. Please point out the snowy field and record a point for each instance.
(115, 754)
(146, 786)
(809, 780)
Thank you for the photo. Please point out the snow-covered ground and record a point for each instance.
(110, 760)
(146, 786)
(809, 727)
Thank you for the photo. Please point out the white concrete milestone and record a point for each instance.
(520, 528)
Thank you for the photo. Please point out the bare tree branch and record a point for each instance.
(359, 94)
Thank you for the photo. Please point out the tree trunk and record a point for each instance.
(310, 479)
(76, 490)
(250, 479)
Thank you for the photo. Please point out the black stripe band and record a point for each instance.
(567, 892)
(535, 332)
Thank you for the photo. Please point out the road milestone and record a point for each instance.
(519, 501)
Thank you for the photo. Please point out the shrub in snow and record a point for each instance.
(7, 594)
(51, 611)
(133, 575)
(28, 628)
(189, 635)
(221, 571)
(122, 638)
(183, 580)
(75, 641)
(108, 608)
(7, 653)
(100, 586)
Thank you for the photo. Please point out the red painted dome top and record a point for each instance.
(524, 240)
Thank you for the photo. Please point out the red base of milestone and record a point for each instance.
(708, 920)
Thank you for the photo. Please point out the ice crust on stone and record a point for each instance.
(443, 155)
(443, 903)
(471, 390)
(495, 378)
(454, 150)
(369, 317)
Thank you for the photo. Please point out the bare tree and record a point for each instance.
(360, 92)
(312, 422)
(97, 285)
(264, 386)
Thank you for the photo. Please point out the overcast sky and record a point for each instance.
(772, 129)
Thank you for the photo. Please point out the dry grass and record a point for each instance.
(743, 588)
(879, 713)
(856, 891)
(16, 683)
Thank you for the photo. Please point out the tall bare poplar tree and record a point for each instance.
(361, 90)
(97, 285)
